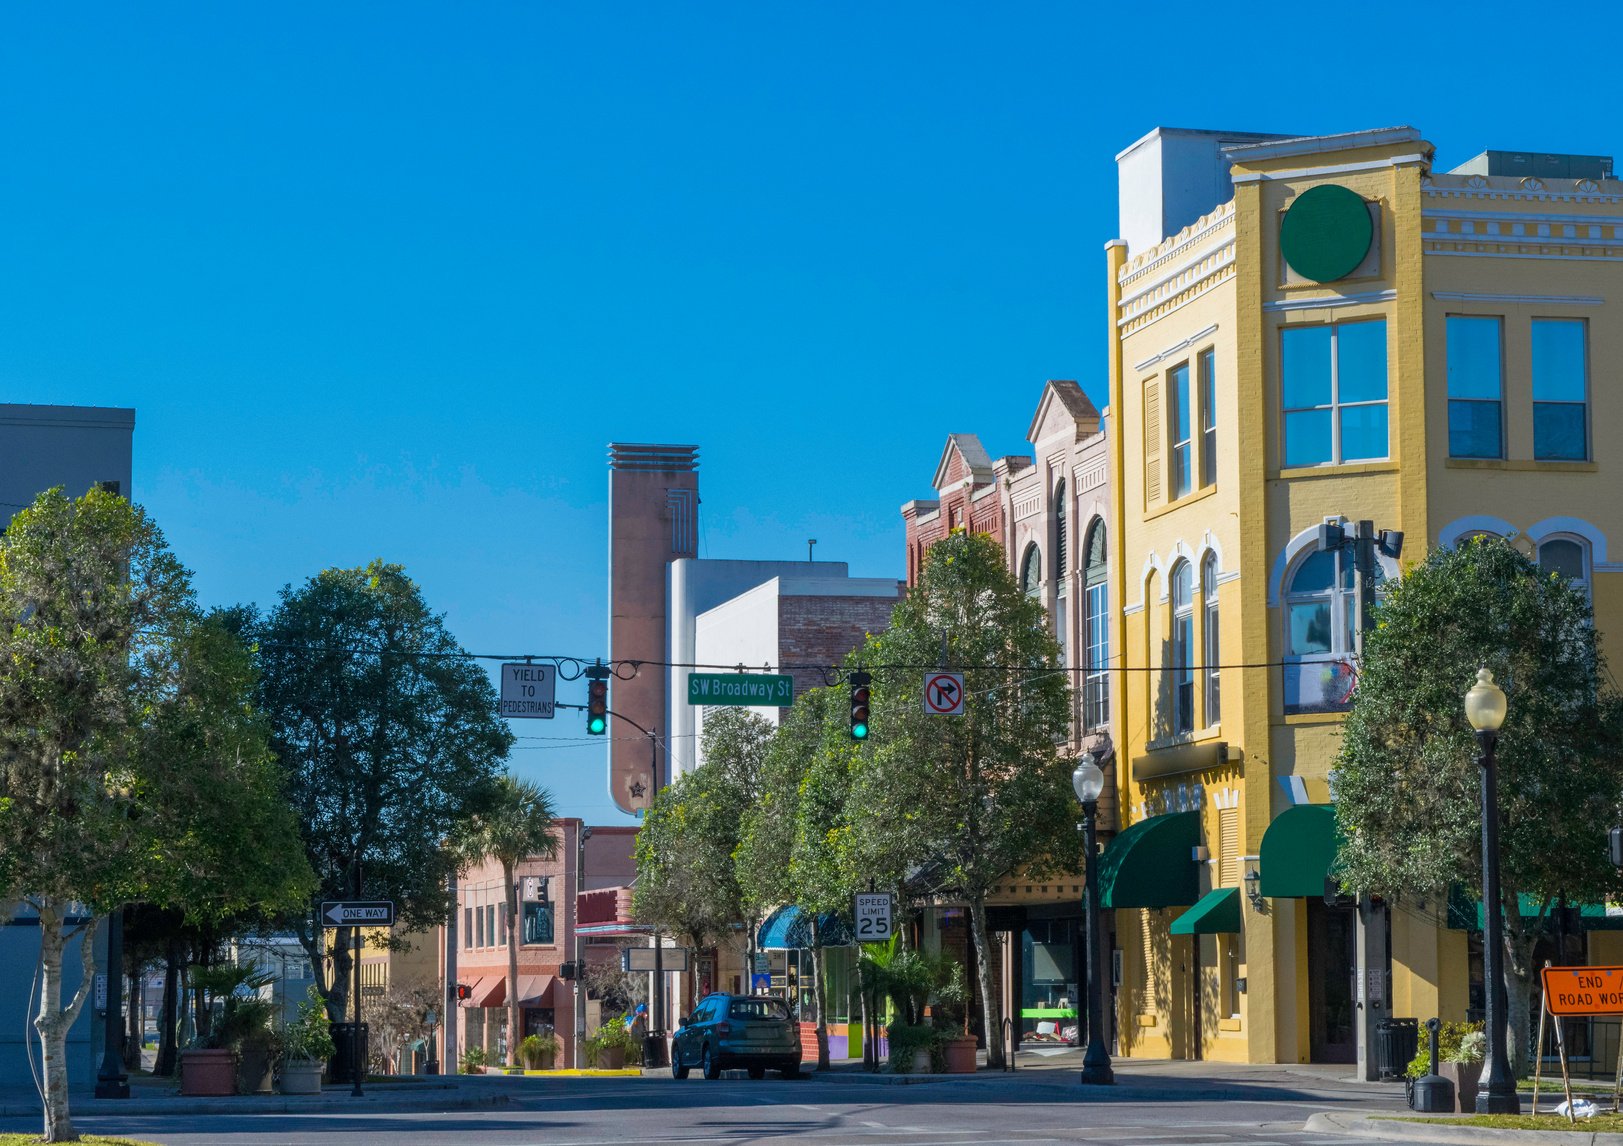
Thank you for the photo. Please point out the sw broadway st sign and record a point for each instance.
(758, 690)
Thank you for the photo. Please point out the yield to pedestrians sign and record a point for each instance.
(944, 693)
(528, 690)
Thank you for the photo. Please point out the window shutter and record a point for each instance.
(1228, 847)
(1147, 953)
(1152, 441)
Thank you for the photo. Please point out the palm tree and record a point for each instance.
(520, 826)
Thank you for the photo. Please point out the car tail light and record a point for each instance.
(724, 1028)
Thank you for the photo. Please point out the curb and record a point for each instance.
(1385, 1129)
(441, 1098)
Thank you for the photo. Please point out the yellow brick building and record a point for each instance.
(1315, 332)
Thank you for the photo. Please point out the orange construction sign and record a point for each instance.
(1583, 990)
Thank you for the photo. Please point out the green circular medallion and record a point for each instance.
(1326, 232)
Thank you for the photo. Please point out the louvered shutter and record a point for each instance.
(1152, 442)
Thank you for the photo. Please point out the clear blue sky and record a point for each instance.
(385, 279)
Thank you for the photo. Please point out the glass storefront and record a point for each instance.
(1048, 985)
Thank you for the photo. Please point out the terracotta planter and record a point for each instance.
(1464, 1076)
(208, 1072)
(611, 1058)
(302, 1077)
(960, 1055)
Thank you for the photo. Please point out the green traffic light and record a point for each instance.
(596, 725)
(859, 732)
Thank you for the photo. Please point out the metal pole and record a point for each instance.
(111, 1081)
(1096, 1069)
(1496, 1093)
(449, 1007)
(355, 1033)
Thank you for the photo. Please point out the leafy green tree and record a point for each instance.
(687, 882)
(131, 767)
(391, 740)
(973, 797)
(520, 824)
(1407, 782)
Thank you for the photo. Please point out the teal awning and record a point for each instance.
(1217, 913)
(790, 929)
(1465, 912)
(1151, 864)
(1297, 850)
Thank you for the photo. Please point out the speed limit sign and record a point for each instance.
(873, 915)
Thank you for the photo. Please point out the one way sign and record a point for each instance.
(362, 912)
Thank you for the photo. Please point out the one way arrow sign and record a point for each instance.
(363, 912)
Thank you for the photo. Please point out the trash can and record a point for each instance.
(1396, 1042)
(343, 1039)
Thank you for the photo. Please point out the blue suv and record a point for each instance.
(728, 1031)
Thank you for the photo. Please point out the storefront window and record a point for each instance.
(1048, 989)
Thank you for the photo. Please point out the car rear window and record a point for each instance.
(760, 1009)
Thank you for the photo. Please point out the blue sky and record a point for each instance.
(385, 279)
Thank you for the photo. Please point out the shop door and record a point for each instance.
(1331, 964)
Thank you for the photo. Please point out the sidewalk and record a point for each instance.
(1346, 1124)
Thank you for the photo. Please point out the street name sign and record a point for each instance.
(358, 912)
(528, 691)
(747, 689)
(873, 915)
(642, 959)
(944, 693)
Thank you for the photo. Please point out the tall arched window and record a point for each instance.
(1031, 572)
(1096, 625)
(1568, 557)
(1320, 615)
(1212, 655)
(1183, 648)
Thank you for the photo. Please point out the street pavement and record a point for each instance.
(1161, 1103)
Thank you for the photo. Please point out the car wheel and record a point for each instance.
(710, 1064)
(792, 1070)
(757, 1072)
(679, 1069)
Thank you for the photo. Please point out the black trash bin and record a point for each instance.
(1396, 1042)
(343, 1038)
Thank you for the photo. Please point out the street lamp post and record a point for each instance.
(1496, 1093)
(1089, 782)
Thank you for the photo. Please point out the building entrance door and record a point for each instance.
(1331, 964)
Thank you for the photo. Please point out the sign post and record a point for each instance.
(528, 691)
(873, 915)
(356, 914)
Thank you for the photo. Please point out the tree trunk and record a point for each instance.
(991, 1004)
(53, 1019)
(167, 1013)
(514, 1021)
(819, 997)
(343, 969)
(135, 1024)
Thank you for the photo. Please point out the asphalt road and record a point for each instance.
(1165, 1108)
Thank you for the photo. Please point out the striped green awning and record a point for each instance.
(1217, 913)
(1151, 864)
(1297, 850)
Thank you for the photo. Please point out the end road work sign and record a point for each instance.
(748, 689)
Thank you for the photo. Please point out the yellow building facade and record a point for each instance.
(1308, 334)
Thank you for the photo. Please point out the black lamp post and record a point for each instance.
(1496, 1093)
(1089, 782)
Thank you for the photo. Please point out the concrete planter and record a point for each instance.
(960, 1055)
(209, 1073)
(254, 1069)
(611, 1058)
(302, 1077)
(1464, 1076)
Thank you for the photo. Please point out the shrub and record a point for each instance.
(309, 1037)
(1456, 1042)
(609, 1036)
(472, 1060)
(905, 1040)
(535, 1049)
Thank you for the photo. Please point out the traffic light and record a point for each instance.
(861, 689)
(569, 970)
(463, 991)
(597, 700)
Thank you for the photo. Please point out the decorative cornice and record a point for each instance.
(1530, 299)
(1174, 246)
(1240, 177)
(1213, 270)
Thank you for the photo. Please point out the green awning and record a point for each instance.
(1217, 913)
(1297, 851)
(1151, 864)
(1465, 912)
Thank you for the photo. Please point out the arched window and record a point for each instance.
(1061, 548)
(1320, 615)
(1212, 655)
(1183, 648)
(1031, 572)
(1568, 557)
(1096, 625)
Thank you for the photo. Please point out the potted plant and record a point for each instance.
(539, 1051)
(230, 1022)
(610, 1046)
(911, 1045)
(472, 1060)
(952, 1020)
(1462, 1062)
(306, 1046)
